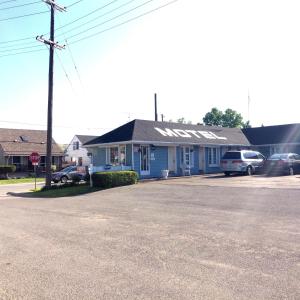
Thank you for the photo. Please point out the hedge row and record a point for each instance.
(112, 179)
(4, 169)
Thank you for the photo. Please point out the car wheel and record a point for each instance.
(227, 173)
(64, 179)
(249, 171)
(291, 171)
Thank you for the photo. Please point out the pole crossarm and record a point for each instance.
(50, 43)
(55, 6)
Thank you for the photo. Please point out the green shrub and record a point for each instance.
(5, 169)
(112, 179)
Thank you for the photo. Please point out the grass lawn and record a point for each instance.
(62, 192)
(20, 180)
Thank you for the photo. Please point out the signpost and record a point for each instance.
(35, 159)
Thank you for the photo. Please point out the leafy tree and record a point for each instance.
(229, 118)
(183, 121)
(214, 117)
(247, 124)
(232, 119)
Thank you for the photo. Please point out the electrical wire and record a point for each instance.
(23, 52)
(66, 74)
(90, 13)
(22, 48)
(21, 5)
(72, 58)
(98, 17)
(7, 1)
(59, 28)
(115, 17)
(125, 22)
(76, 2)
(24, 16)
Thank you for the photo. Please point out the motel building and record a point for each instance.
(148, 147)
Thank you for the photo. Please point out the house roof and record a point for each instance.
(85, 138)
(278, 134)
(139, 131)
(22, 142)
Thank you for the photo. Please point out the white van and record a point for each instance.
(244, 162)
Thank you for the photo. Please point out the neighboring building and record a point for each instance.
(75, 153)
(16, 145)
(274, 139)
(149, 147)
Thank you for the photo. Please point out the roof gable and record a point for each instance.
(278, 134)
(85, 138)
(25, 141)
(166, 132)
(120, 134)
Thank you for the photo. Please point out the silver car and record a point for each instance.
(243, 161)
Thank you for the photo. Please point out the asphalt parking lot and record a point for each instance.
(204, 237)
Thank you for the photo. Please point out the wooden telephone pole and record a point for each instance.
(52, 45)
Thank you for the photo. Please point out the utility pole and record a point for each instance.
(155, 108)
(52, 45)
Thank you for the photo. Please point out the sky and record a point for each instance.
(194, 54)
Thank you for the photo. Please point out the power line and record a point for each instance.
(18, 40)
(122, 14)
(90, 13)
(72, 22)
(7, 1)
(92, 20)
(22, 48)
(76, 20)
(21, 5)
(76, 2)
(125, 22)
(23, 16)
(66, 74)
(23, 52)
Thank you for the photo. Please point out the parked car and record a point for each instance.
(283, 163)
(243, 162)
(69, 173)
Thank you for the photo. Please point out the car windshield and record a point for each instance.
(279, 156)
(68, 169)
(232, 155)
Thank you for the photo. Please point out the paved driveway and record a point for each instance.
(176, 239)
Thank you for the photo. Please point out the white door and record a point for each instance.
(145, 160)
(201, 158)
(172, 159)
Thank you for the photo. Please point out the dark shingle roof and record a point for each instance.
(85, 138)
(278, 134)
(12, 143)
(144, 131)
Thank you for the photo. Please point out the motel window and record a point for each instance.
(116, 155)
(213, 157)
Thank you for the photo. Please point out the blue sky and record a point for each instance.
(194, 54)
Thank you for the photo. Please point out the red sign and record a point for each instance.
(34, 158)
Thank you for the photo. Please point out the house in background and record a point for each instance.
(75, 154)
(16, 145)
(274, 139)
(148, 147)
